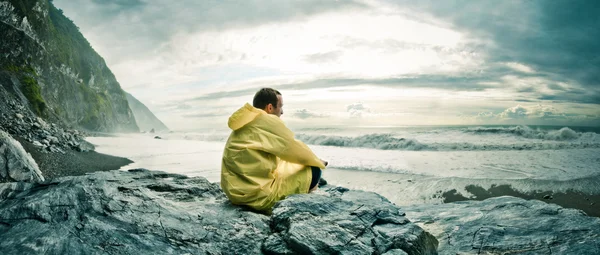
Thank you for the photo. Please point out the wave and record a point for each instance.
(563, 134)
(375, 141)
(389, 142)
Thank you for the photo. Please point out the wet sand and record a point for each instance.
(72, 163)
(590, 204)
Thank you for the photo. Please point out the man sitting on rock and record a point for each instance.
(262, 161)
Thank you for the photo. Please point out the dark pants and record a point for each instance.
(316, 175)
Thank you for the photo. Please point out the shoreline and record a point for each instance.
(72, 163)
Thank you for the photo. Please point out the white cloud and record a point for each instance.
(520, 67)
(356, 110)
(306, 114)
(517, 112)
(520, 112)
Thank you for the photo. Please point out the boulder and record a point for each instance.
(149, 212)
(344, 222)
(84, 146)
(15, 163)
(52, 139)
(508, 225)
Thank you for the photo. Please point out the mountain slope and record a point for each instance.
(144, 118)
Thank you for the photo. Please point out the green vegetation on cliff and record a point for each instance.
(67, 45)
(32, 92)
(30, 88)
(99, 105)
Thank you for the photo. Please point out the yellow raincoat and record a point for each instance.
(262, 161)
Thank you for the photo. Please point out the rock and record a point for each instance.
(508, 225)
(157, 137)
(85, 146)
(547, 197)
(148, 212)
(350, 222)
(52, 139)
(42, 123)
(15, 163)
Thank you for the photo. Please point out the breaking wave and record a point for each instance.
(563, 134)
(375, 141)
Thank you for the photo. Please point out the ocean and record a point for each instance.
(408, 164)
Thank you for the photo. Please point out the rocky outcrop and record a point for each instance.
(146, 212)
(144, 118)
(344, 221)
(15, 163)
(47, 65)
(508, 225)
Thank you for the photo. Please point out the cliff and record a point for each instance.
(47, 65)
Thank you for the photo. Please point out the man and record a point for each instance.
(262, 161)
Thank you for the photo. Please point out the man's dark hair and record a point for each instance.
(264, 97)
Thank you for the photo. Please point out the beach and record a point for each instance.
(72, 163)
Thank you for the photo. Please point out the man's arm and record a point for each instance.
(279, 140)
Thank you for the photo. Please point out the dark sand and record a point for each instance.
(72, 163)
(590, 204)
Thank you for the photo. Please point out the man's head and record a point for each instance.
(269, 100)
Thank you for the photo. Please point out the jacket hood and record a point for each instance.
(243, 116)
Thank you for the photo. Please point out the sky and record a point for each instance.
(353, 62)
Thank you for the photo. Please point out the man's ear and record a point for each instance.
(269, 108)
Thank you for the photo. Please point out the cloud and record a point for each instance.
(356, 110)
(306, 114)
(323, 57)
(204, 115)
(556, 38)
(517, 112)
(121, 28)
(520, 67)
(529, 112)
(485, 116)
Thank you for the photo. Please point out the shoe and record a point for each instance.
(322, 182)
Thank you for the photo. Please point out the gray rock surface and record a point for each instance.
(344, 221)
(144, 212)
(508, 225)
(15, 163)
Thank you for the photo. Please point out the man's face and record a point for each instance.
(278, 111)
